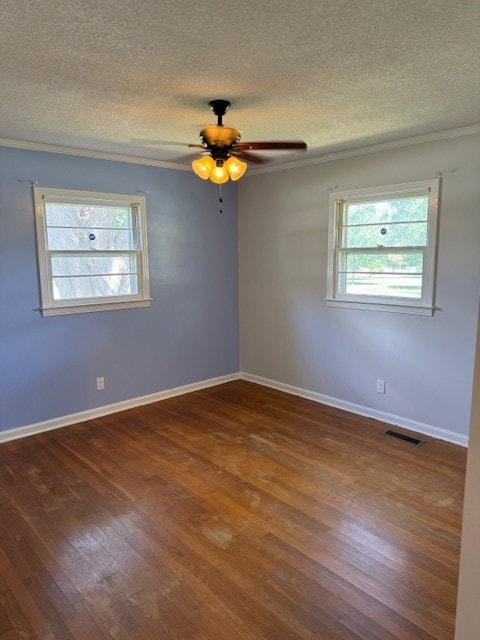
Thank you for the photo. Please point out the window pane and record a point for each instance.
(409, 234)
(397, 285)
(67, 239)
(103, 286)
(75, 215)
(382, 247)
(92, 249)
(400, 210)
(411, 262)
(78, 265)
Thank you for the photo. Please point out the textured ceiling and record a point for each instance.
(339, 74)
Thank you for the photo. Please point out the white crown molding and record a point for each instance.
(360, 151)
(98, 412)
(382, 416)
(328, 157)
(84, 153)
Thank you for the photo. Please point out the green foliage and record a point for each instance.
(390, 223)
(378, 212)
(120, 217)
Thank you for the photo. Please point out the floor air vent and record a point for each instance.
(400, 436)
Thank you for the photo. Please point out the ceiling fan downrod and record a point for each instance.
(219, 108)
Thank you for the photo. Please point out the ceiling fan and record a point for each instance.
(226, 154)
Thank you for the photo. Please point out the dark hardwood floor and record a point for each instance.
(233, 513)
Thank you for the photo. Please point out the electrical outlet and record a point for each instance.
(380, 386)
(100, 383)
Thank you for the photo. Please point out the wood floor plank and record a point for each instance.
(236, 512)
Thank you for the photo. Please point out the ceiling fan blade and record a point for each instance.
(301, 146)
(160, 143)
(249, 157)
(187, 159)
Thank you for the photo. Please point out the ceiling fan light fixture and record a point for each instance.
(235, 167)
(223, 146)
(219, 173)
(203, 167)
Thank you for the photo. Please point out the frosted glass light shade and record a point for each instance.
(203, 167)
(219, 174)
(219, 171)
(235, 167)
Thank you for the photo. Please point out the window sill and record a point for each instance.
(390, 307)
(91, 307)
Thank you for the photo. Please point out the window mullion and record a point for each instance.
(383, 249)
(90, 252)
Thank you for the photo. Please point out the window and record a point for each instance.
(92, 251)
(382, 248)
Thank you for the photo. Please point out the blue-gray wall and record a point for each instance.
(49, 366)
(287, 333)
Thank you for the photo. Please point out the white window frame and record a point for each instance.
(424, 305)
(137, 206)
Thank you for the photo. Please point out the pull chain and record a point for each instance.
(220, 199)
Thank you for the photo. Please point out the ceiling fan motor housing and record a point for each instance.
(219, 136)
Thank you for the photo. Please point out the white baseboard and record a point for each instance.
(90, 414)
(82, 416)
(389, 418)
